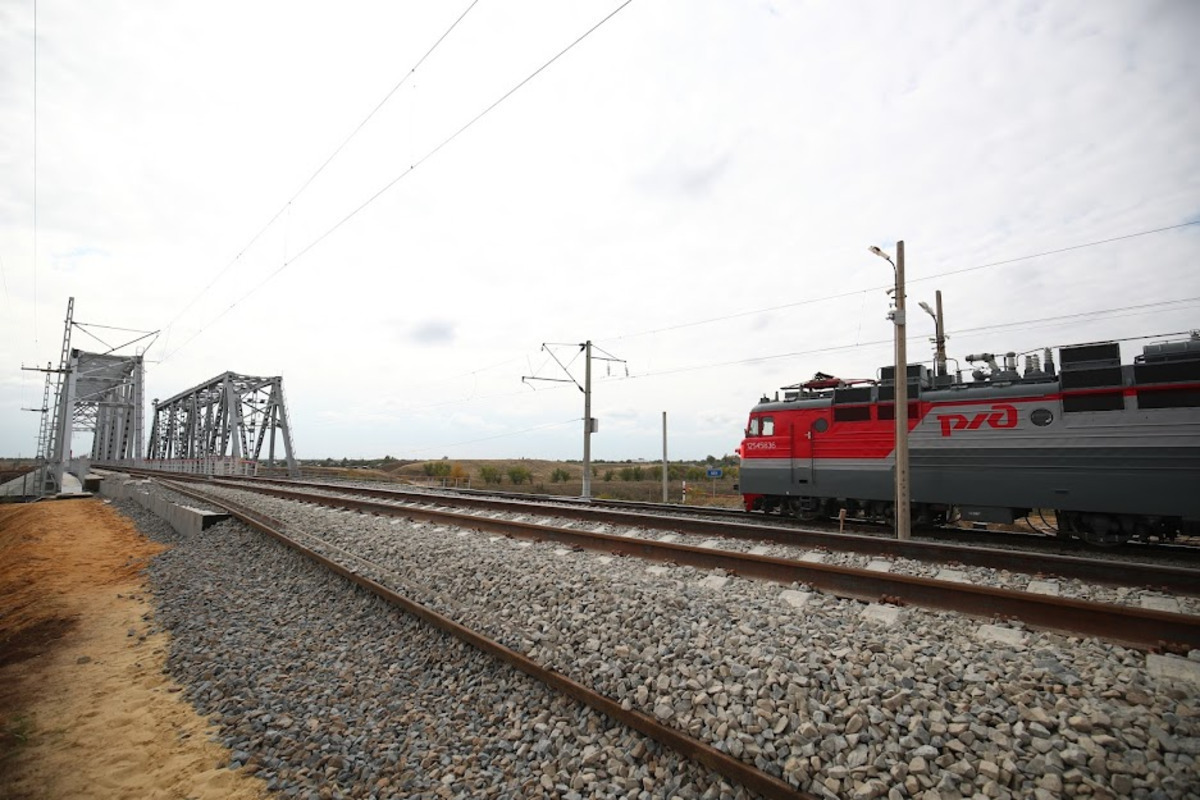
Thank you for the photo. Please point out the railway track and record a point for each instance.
(1039, 539)
(816, 694)
(1182, 578)
(1032, 534)
(356, 570)
(1146, 629)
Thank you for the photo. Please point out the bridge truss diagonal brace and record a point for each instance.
(108, 400)
(231, 416)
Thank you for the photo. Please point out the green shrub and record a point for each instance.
(632, 474)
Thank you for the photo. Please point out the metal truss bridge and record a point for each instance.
(221, 426)
(229, 418)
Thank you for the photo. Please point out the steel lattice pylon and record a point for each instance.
(229, 417)
(97, 392)
(54, 438)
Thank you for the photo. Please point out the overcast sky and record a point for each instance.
(693, 187)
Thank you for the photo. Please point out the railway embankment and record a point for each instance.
(828, 694)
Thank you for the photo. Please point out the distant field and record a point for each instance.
(640, 481)
(625, 480)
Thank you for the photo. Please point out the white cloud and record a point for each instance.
(432, 332)
(687, 162)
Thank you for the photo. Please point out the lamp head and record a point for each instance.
(881, 254)
(925, 306)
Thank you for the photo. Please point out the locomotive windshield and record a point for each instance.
(761, 426)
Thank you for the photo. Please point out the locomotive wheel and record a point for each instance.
(1098, 530)
(805, 509)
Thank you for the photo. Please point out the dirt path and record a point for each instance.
(85, 709)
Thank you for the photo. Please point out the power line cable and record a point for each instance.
(403, 174)
(546, 426)
(325, 163)
(461, 400)
(1060, 319)
(1112, 313)
(1059, 250)
(1056, 320)
(959, 332)
(4, 280)
(470, 373)
(1132, 310)
(35, 175)
(851, 293)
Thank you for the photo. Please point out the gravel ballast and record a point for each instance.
(805, 686)
(325, 691)
(975, 575)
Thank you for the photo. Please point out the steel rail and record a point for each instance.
(966, 548)
(1029, 541)
(1144, 629)
(727, 766)
(1181, 579)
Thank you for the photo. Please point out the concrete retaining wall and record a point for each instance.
(184, 519)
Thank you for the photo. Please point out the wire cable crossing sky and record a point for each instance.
(296, 195)
(694, 190)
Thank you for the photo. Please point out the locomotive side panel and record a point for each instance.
(1026, 452)
(1118, 443)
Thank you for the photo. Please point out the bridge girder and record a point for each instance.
(232, 415)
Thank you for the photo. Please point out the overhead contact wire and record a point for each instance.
(1135, 309)
(911, 280)
(324, 164)
(407, 172)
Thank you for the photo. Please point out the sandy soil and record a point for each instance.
(85, 709)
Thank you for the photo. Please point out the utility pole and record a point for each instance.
(940, 328)
(903, 515)
(587, 420)
(590, 424)
(939, 336)
(666, 467)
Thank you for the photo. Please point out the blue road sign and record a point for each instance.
(715, 473)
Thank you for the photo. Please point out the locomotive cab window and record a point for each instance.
(761, 426)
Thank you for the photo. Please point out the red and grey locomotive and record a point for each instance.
(1113, 449)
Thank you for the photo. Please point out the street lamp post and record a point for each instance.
(939, 333)
(903, 517)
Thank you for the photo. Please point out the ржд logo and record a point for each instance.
(1001, 415)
